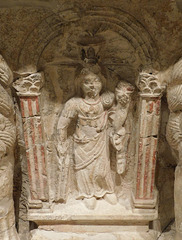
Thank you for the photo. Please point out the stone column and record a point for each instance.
(28, 89)
(145, 194)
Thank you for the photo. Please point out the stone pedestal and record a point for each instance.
(75, 221)
(113, 235)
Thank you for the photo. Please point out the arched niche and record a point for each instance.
(56, 46)
(122, 44)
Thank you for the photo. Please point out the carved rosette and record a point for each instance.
(145, 194)
(28, 89)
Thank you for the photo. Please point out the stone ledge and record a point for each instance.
(49, 235)
(76, 213)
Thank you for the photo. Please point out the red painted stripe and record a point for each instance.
(37, 106)
(139, 168)
(153, 170)
(147, 160)
(40, 130)
(43, 160)
(22, 107)
(30, 107)
(35, 159)
(32, 130)
(158, 106)
(151, 105)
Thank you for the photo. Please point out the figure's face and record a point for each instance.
(91, 85)
(122, 97)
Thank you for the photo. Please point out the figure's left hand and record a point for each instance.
(117, 141)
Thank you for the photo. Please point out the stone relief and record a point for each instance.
(149, 106)
(29, 83)
(99, 120)
(7, 140)
(93, 164)
(149, 84)
(119, 139)
(28, 87)
(124, 40)
(173, 134)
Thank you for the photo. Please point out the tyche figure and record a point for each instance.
(90, 149)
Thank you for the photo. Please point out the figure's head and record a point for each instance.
(91, 84)
(123, 92)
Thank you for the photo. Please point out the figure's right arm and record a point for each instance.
(62, 140)
(67, 114)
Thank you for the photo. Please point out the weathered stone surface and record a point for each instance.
(7, 141)
(130, 39)
(48, 235)
(174, 137)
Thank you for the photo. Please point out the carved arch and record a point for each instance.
(117, 20)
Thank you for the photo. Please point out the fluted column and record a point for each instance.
(28, 89)
(145, 194)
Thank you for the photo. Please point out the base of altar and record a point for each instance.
(74, 221)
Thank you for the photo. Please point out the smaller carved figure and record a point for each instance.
(119, 139)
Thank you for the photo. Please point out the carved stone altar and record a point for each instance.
(96, 174)
(96, 84)
(91, 146)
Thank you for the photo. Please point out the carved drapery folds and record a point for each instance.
(173, 134)
(28, 89)
(100, 120)
(145, 195)
(7, 140)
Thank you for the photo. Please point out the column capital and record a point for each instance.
(29, 84)
(149, 84)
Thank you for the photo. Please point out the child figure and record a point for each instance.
(123, 93)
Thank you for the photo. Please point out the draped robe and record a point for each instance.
(90, 147)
